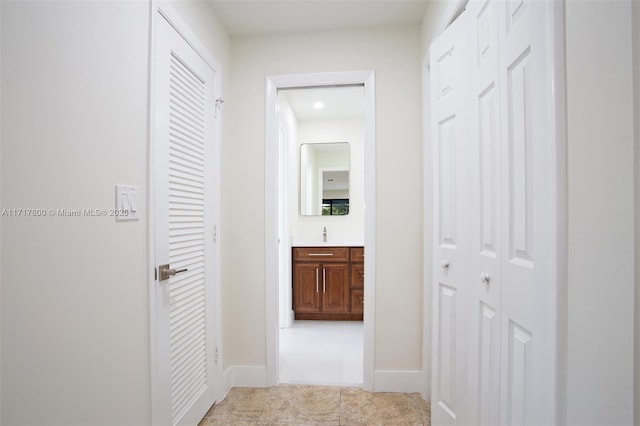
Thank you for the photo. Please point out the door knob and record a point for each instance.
(165, 272)
(444, 264)
(484, 277)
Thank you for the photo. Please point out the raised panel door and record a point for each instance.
(529, 214)
(357, 301)
(335, 288)
(306, 287)
(357, 275)
(450, 118)
(485, 216)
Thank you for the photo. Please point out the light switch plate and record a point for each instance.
(127, 203)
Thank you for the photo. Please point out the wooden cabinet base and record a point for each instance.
(328, 283)
(329, 317)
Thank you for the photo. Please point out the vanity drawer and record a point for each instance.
(321, 254)
(357, 254)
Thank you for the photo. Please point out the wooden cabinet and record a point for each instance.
(357, 288)
(306, 296)
(328, 283)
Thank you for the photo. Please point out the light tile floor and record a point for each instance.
(302, 405)
(322, 353)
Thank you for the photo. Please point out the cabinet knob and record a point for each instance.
(444, 264)
(485, 278)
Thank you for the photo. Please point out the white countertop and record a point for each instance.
(327, 244)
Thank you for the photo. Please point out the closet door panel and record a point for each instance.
(485, 216)
(449, 59)
(528, 390)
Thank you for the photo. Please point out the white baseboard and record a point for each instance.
(245, 376)
(407, 381)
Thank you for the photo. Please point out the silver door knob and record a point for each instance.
(484, 277)
(444, 264)
(165, 272)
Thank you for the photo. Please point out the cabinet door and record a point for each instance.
(335, 288)
(357, 275)
(306, 287)
(357, 301)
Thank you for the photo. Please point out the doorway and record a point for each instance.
(278, 244)
(321, 204)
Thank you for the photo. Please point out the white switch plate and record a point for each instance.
(127, 203)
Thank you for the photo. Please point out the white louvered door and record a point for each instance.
(183, 145)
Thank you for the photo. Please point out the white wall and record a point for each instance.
(74, 306)
(349, 228)
(74, 301)
(394, 54)
(600, 118)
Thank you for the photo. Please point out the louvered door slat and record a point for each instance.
(187, 317)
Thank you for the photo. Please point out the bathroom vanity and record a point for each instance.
(328, 282)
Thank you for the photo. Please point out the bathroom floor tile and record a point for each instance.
(327, 353)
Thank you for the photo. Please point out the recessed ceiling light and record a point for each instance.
(318, 105)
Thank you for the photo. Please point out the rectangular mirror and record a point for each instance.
(324, 179)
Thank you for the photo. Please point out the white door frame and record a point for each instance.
(273, 83)
(286, 310)
(162, 10)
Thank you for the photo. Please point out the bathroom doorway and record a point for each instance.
(318, 349)
(322, 207)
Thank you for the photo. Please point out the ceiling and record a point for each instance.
(258, 17)
(337, 102)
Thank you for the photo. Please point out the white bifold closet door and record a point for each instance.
(449, 64)
(485, 260)
(495, 348)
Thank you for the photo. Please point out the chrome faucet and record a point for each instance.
(324, 234)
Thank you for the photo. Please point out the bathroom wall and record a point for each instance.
(349, 228)
(394, 54)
